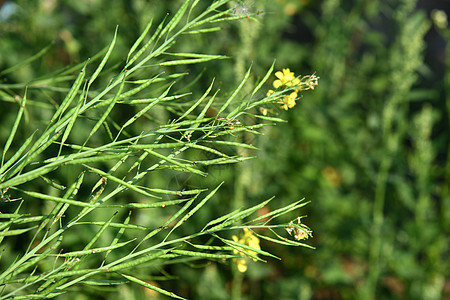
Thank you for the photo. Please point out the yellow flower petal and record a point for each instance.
(277, 83)
(279, 74)
(241, 265)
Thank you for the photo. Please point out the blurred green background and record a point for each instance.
(369, 147)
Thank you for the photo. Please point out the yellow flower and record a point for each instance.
(263, 111)
(289, 101)
(241, 264)
(287, 81)
(286, 78)
(270, 92)
(249, 239)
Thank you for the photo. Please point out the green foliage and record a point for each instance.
(87, 202)
(368, 147)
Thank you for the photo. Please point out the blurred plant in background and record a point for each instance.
(369, 147)
(90, 154)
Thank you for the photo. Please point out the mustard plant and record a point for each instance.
(110, 136)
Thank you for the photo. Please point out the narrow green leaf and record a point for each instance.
(108, 131)
(116, 225)
(221, 161)
(179, 193)
(80, 158)
(196, 208)
(26, 176)
(76, 67)
(205, 30)
(27, 61)
(30, 296)
(174, 217)
(109, 109)
(264, 79)
(16, 155)
(281, 211)
(72, 120)
(221, 219)
(283, 241)
(16, 231)
(15, 125)
(104, 60)
(233, 144)
(144, 48)
(212, 19)
(119, 234)
(189, 61)
(8, 226)
(43, 142)
(68, 160)
(207, 149)
(139, 40)
(32, 263)
(149, 205)
(103, 282)
(57, 199)
(184, 123)
(61, 208)
(52, 183)
(70, 95)
(197, 103)
(139, 88)
(152, 287)
(241, 215)
(235, 93)
(196, 55)
(207, 106)
(203, 254)
(192, 7)
(95, 250)
(149, 100)
(211, 248)
(271, 119)
(287, 240)
(120, 181)
(12, 216)
(99, 233)
(176, 18)
(227, 19)
(138, 261)
(185, 167)
(21, 220)
(145, 109)
(249, 129)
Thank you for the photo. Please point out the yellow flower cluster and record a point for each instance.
(287, 79)
(249, 239)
